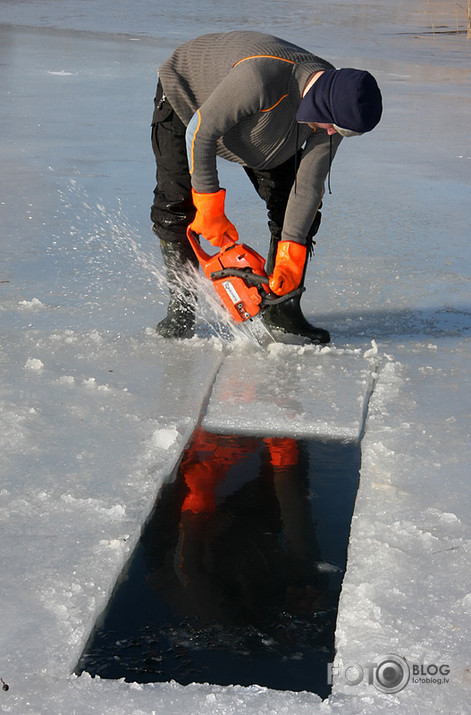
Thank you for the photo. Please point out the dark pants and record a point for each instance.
(172, 210)
(173, 207)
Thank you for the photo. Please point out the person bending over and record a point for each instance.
(280, 112)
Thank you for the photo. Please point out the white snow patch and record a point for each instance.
(165, 438)
(66, 380)
(116, 512)
(61, 73)
(34, 364)
(373, 351)
(33, 304)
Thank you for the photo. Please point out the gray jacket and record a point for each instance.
(238, 94)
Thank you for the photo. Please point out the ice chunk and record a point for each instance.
(34, 364)
(164, 438)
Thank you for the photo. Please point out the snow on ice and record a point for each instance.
(95, 411)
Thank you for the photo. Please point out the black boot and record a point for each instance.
(288, 316)
(180, 319)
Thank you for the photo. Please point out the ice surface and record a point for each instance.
(95, 411)
(407, 584)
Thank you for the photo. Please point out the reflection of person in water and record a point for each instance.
(243, 552)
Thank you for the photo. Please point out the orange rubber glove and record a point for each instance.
(289, 267)
(210, 221)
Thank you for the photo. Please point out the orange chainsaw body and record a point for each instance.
(241, 294)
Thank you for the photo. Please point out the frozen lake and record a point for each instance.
(95, 411)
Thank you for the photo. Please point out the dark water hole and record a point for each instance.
(237, 575)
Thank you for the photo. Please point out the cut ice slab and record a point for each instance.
(292, 391)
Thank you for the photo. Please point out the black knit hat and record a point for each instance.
(348, 98)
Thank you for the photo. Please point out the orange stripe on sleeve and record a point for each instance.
(192, 157)
(270, 57)
(275, 105)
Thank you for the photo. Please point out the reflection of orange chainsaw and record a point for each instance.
(239, 277)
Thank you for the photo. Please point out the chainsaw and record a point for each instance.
(239, 278)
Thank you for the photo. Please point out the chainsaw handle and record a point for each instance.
(274, 299)
(194, 240)
(249, 277)
(241, 273)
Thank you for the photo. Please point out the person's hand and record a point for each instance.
(289, 267)
(210, 221)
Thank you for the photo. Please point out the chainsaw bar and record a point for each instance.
(257, 332)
